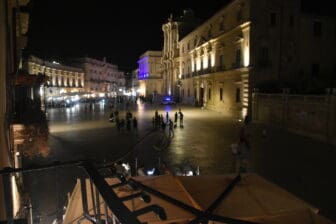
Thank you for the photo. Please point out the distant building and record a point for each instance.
(149, 74)
(245, 46)
(101, 77)
(62, 80)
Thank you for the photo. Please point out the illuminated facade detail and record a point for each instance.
(173, 31)
(101, 77)
(150, 74)
(62, 79)
(242, 53)
(210, 61)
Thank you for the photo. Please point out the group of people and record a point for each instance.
(159, 121)
(127, 122)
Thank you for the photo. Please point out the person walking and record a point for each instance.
(181, 119)
(176, 115)
(244, 146)
(171, 128)
(167, 116)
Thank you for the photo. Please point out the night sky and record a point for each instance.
(121, 30)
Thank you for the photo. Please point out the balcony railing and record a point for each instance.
(101, 204)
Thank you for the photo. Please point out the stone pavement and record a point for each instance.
(301, 165)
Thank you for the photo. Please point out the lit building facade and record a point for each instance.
(149, 74)
(243, 45)
(63, 80)
(102, 79)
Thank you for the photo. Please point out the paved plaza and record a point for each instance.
(301, 165)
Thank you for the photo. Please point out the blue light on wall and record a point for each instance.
(143, 68)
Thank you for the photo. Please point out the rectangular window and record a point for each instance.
(237, 95)
(263, 56)
(188, 92)
(221, 94)
(315, 69)
(195, 93)
(273, 21)
(291, 20)
(221, 62)
(209, 93)
(317, 29)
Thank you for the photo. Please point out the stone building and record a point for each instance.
(245, 46)
(149, 74)
(62, 80)
(102, 79)
(14, 24)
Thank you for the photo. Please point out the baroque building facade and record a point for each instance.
(149, 74)
(62, 80)
(242, 46)
(101, 77)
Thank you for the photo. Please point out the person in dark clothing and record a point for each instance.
(181, 119)
(176, 115)
(128, 124)
(135, 124)
(244, 145)
(171, 128)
